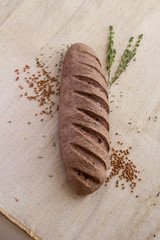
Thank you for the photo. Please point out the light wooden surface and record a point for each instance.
(47, 206)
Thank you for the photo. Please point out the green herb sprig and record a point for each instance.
(111, 53)
(127, 56)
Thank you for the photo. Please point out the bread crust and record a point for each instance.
(84, 119)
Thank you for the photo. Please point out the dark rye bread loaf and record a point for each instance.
(83, 119)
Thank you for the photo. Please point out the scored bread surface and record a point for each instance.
(84, 119)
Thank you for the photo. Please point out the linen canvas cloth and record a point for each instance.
(44, 206)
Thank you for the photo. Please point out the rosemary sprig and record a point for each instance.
(127, 56)
(111, 53)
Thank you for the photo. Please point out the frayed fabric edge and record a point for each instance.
(20, 225)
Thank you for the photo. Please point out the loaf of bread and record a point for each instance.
(83, 119)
